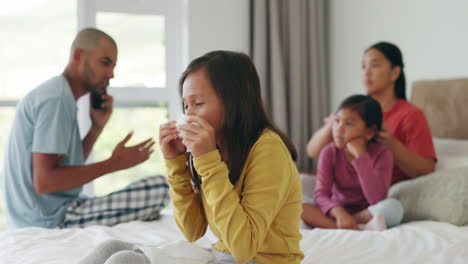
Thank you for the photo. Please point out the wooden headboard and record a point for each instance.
(445, 104)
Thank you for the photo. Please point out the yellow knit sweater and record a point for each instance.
(257, 218)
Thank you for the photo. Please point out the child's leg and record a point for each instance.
(391, 209)
(312, 216)
(367, 221)
(377, 223)
(363, 216)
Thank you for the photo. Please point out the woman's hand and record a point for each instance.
(171, 144)
(385, 137)
(198, 135)
(343, 219)
(357, 147)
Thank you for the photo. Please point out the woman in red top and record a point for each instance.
(406, 131)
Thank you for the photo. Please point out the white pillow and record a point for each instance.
(439, 196)
(451, 153)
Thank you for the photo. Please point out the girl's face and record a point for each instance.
(348, 125)
(200, 99)
(377, 72)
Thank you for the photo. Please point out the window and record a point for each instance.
(145, 121)
(31, 53)
(147, 32)
(6, 120)
(143, 30)
(140, 66)
(141, 48)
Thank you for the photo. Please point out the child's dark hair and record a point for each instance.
(393, 54)
(235, 80)
(367, 107)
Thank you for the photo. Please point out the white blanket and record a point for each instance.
(416, 242)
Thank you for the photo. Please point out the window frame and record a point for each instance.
(174, 12)
(176, 51)
(175, 15)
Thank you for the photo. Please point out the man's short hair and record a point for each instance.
(88, 39)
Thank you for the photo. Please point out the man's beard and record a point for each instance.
(93, 87)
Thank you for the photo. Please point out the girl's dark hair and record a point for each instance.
(367, 107)
(393, 54)
(235, 80)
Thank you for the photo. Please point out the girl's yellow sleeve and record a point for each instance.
(188, 210)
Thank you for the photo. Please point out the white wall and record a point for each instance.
(432, 34)
(217, 24)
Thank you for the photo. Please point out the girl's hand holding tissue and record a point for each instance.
(196, 134)
(169, 141)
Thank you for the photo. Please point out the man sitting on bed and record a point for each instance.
(44, 163)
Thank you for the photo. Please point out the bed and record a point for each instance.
(411, 242)
(415, 242)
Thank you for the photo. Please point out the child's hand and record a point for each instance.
(198, 135)
(343, 219)
(357, 146)
(329, 119)
(346, 221)
(171, 145)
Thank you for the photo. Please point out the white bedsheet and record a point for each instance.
(416, 242)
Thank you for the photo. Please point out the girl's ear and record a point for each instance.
(370, 133)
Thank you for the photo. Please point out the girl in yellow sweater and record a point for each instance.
(239, 177)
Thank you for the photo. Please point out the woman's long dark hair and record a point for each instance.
(235, 80)
(393, 54)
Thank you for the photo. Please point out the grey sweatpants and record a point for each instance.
(119, 252)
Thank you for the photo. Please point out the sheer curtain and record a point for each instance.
(288, 44)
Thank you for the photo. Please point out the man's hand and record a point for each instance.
(99, 117)
(127, 157)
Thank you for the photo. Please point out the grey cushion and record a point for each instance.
(439, 196)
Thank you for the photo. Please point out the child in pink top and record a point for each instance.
(355, 172)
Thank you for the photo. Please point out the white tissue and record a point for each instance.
(183, 120)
